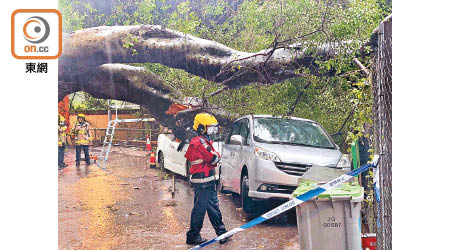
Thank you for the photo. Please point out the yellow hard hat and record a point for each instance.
(204, 119)
(82, 115)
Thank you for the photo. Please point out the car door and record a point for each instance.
(234, 155)
(177, 157)
(169, 151)
(240, 158)
(246, 154)
(228, 157)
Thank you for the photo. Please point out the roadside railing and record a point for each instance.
(126, 136)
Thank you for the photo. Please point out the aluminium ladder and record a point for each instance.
(107, 142)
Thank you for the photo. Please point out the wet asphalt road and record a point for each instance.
(131, 207)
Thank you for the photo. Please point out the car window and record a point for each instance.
(240, 128)
(235, 130)
(170, 136)
(296, 132)
(245, 131)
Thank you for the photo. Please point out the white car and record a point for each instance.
(264, 156)
(169, 158)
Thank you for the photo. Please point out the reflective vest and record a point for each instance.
(203, 158)
(61, 134)
(82, 136)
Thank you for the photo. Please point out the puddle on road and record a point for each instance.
(133, 209)
(172, 223)
(96, 194)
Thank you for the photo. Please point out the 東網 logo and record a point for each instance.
(36, 34)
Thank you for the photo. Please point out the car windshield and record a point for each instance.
(289, 131)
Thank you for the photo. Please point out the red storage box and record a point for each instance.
(369, 241)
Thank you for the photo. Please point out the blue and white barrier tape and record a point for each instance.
(294, 202)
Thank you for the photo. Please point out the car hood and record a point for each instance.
(304, 155)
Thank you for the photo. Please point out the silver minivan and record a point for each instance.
(264, 156)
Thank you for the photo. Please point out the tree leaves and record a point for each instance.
(254, 25)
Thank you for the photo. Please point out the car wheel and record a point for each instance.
(161, 160)
(247, 203)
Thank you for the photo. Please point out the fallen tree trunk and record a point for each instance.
(91, 62)
(135, 85)
(89, 48)
(139, 76)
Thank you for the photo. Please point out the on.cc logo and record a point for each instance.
(36, 34)
(36, 29)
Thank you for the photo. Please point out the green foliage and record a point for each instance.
(184, 20)
(130, 12)
(77, 15)
(328, 100)
(128, 42)
(361, 97)
(255, 25)
(87, 102)
(184, 82)
(145, 11)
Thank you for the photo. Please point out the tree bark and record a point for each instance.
(91, 62)
(113, 73)
(89, 48)
(135, 85)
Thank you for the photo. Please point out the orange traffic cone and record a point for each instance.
(93, 157)
(149, 145)
(152, 160)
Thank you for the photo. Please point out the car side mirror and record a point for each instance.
(236, 140)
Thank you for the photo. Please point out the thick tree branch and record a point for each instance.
(138, 75)
(89, 48)
(131, 84)
(126, 83)
(90, 63)
(345, 122)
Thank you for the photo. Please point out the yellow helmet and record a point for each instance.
(203, 119)
(82, 115)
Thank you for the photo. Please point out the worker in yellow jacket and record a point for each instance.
(82, 139)
(62, 127)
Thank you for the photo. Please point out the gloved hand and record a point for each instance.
(180, 146)
(215, 159)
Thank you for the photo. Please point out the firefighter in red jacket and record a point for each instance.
(204, 158)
